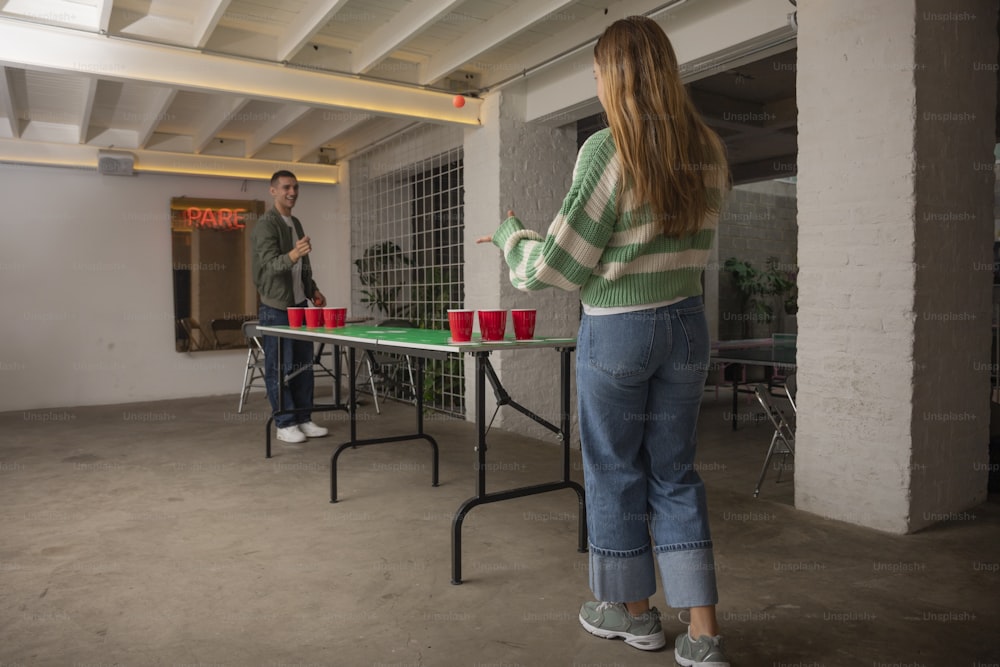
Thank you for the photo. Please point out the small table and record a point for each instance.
(753, 353)
(424, 344)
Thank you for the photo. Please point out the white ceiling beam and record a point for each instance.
(206, 21)
(159, 103)
(311, 20)
(162, 162)
(104, 8)
(60, 50)
(89, 94)
(285, 117)
(325, 132)
(218, 113)
(372, 133)
(61, 12)
(404, 26)
(580, 34)
(160, 29)
(495, 31)
(8, 106)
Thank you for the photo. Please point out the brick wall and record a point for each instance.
(528, 168)
(893, 413)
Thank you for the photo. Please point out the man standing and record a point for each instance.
(283, 276)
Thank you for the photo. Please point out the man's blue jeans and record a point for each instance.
(640, 379)
(295, 354)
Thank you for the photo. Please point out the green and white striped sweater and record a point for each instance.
(615, 261)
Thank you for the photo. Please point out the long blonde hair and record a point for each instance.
(670, 158)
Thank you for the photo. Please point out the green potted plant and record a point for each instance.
(382, 271)
(760, 289)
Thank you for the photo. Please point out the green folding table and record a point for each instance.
(424, 344)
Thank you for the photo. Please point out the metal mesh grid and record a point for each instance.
(406, 243)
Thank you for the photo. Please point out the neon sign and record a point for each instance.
(215, 218)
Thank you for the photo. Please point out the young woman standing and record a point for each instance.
(633, 235)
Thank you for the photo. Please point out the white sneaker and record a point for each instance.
(313, 430)
(291, 434)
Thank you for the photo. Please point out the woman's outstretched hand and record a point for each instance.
(489, 239)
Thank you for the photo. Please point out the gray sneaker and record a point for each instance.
(706, 652)
(611, 620)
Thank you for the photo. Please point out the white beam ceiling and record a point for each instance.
(707, 37)
(208, 18)
(7, 105)
(87, 108)
(311, 20)
(163, 162)
(508, 23)
(286, 116)
(216, 116)
(56, 49)
(407, 24)
(157, 109)
(326, 131)
(120, 64)
(104, 8)
(580, 34)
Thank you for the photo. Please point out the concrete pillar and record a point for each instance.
(896, 118)
(527, 167)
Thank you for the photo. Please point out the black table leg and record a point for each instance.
(565, 371)
(354, 442)
(736, 405)
(484, 371)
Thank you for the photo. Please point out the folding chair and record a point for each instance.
(783, 440)
(254, 371)
(384, 369)
(791, 387)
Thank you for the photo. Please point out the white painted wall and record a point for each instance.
(85, 280)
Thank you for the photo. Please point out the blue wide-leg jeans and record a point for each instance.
(640, 379)
(295, 354)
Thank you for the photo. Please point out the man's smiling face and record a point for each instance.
(285, 193)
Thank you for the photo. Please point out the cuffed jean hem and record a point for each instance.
(688, 577)
(622, 579)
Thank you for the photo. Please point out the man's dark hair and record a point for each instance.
(282, 173)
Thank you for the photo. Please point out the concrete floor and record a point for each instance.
(158, 534)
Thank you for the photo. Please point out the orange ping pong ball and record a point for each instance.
(458, 101)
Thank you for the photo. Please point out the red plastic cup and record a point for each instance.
(295, 317)
(492, 324)
(524, 323)
(460, 323)
(329, 318)
(314, 317)
(341, 318)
